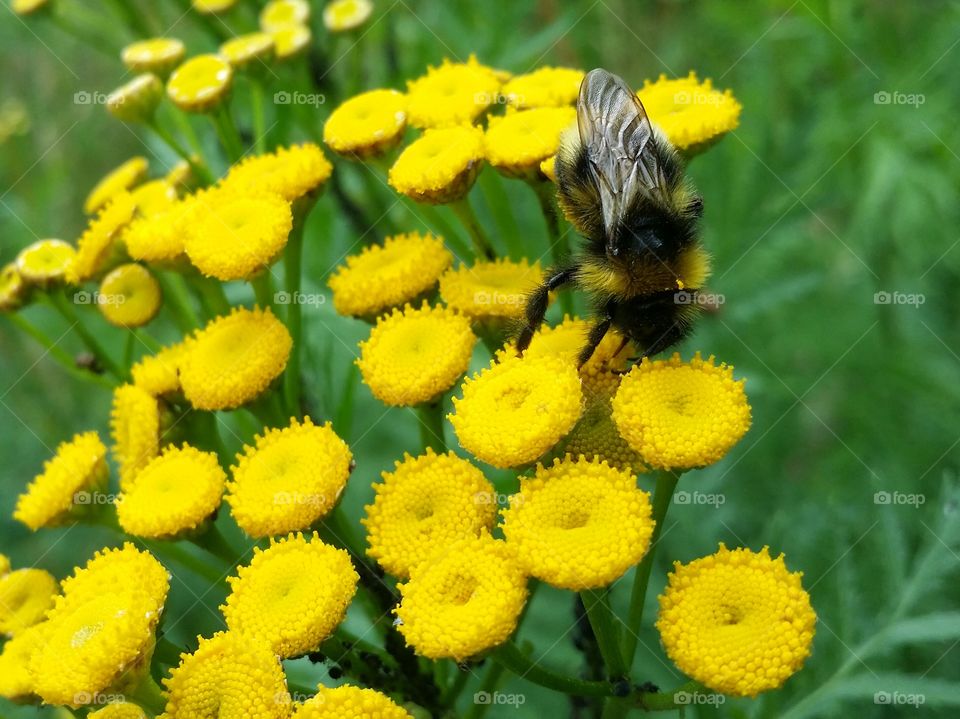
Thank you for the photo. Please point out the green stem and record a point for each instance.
(604, 625)
(216, 544)
(464, 212)
(292, 278)
(63, 306)
(263, 289)
(132, 18)
(510, 656)
(431, 426)
(456, 687)
(259, 121)
(488, 685)
(662, 497)
(171, 552)
(227, 132)
(61, 356)
(149, 695)
(199, 169)
(212, 296)
(177, 300)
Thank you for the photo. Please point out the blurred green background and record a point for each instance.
(826, 195)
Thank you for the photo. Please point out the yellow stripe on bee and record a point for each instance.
(691, 269)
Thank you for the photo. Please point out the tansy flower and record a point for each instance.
(12, 288)
(45, 262)
(158, 55)
(596, 435)
(290, 172)
(135, 426)
(292, 595)
(234, 236)
(439, 167)
(737, 621)
(98, 246)
(15, 680)
(350, 702)
(514, 411)
(415, 355)
(137, 99)
(110, 571)
(118, 710)
(380, 277)
(291, 40)
(25, 597)
(345, 15)
(453, 94)
(681, 415)
(227, 676)
(233, 359)
(578, 524)
(426, 503)
(159, 374)
(201, 83)
(368, 124)
(289, 479)
(122, 178)
(465, 600)
(544, 87)
(78, 465)
(490, 289)
(243, 50)
(691, 113)
(153, 198)
(278, 14)
(160, 237)
(129, 296)
(180, 175)
(174, 493)
(517, 143)
(548, 168)
(212, 7)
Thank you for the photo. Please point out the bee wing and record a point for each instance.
(617, 134)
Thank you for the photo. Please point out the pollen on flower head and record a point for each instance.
(278, 14)
(201, 83)
(738, 621)
(350, 702)
(544, 87)
(159, 374)
(380, 277)
(121, 179)
(290, 172)
(288, 479)
(45, 262)
(465, 599)
(112, 571)
(135, 419)
(174, 493)
(681, 415)
(513, 412)
(98, 246)
(579, 524)
(118, 710)
(453, 94)
(78, 465)
(129, 296)
(227, 676)
(415, 355)
(25, 597)
(426, 503)
(367, 124)
(158, 55)
(292, 595)
(490, 289)
(440, 166)
(16, 683)
(159, 238)
(518, 142)
(234, 358)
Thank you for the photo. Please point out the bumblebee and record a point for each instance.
(622, 186)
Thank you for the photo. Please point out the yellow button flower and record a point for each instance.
(544, 87)
(681, 415)
(490, 289)
(227, 676)
(234, 359)
(384, 276)
(45, 262)
(99, 245)
(350, 702)
(368, 124)
(201, 83)
(346, 15)
(159, 238)
(232, 236)
(129, 296)
(292, 595)
(516, 410)
(548, 168)
(291, 172)
(13, 290)
(415, 355)
(25, 597)
(135, 426)
(579, 524)
(112, 571)
(137, 99)
(16, 683)
(517, 143)
(289, 479)
(174, 493)
(465, 600)
(242, 51)
(153, 198)
(118, 710)
(278, 14)
(291, 40)
(439, 167)
(159, 374)
(453, 94)
(122, 178)
(212, 7)
(692, 114)
(158, 55)
(78, 465)
(737, 621)
(426, 503)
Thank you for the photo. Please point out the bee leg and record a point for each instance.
(597, 333)
(537, 305)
